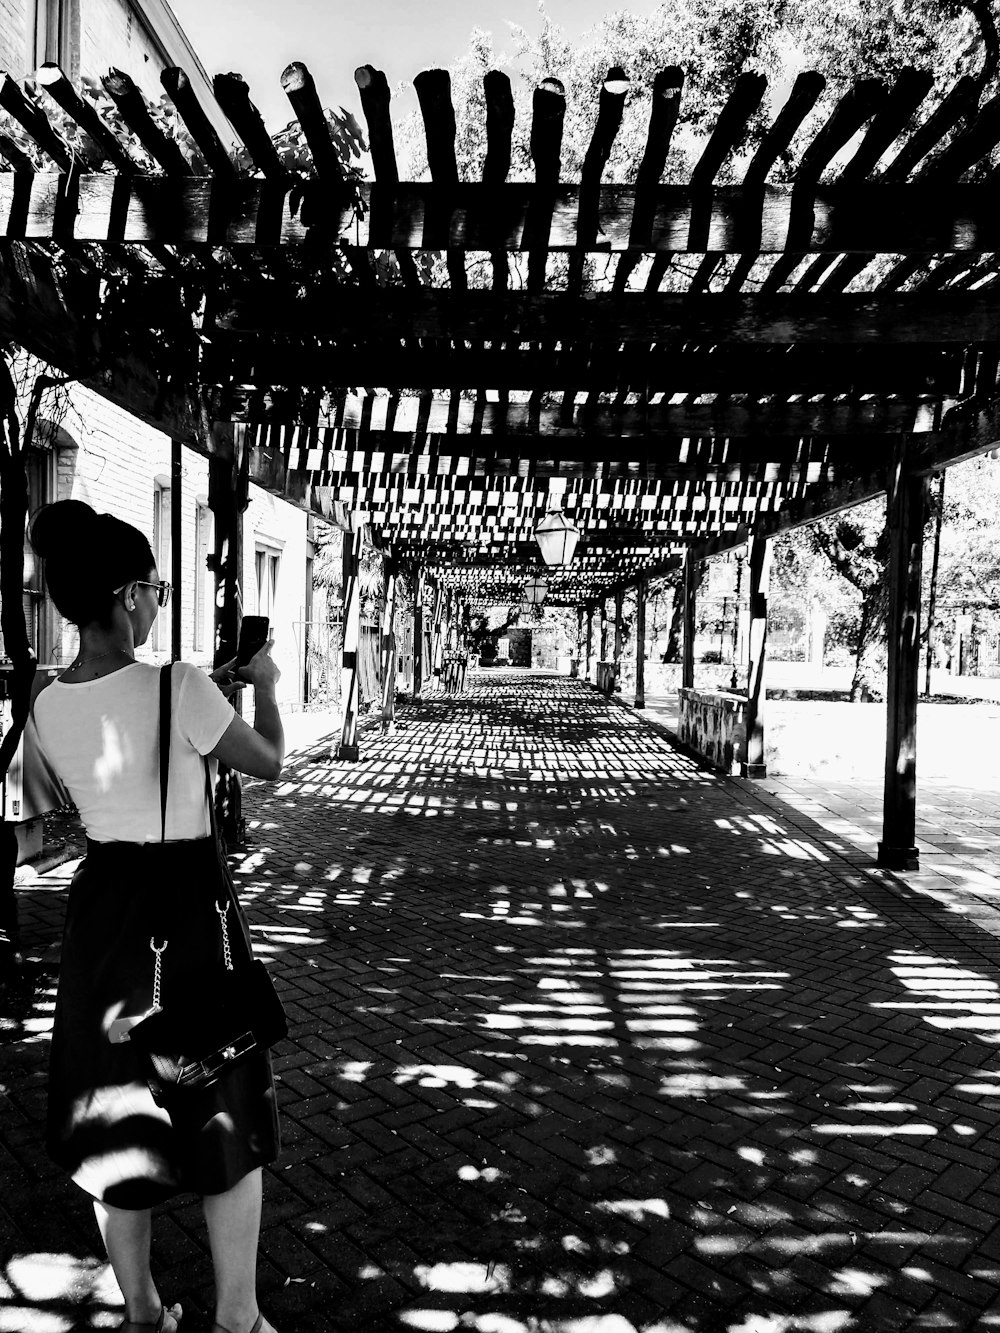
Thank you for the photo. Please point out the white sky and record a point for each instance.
(258, 38)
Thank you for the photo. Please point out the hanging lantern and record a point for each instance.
(535, 590)
(525, 609)
(557, 538)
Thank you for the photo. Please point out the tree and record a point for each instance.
(853, 39)
(713, 41)
(854, 547)
(969, 573)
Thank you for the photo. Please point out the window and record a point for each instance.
(53, 36)
(266, 566)
(161, 554)
(39, 473)
(204, 628)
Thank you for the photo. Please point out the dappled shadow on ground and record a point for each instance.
(584, 1038)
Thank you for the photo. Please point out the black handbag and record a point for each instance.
(192, 1037)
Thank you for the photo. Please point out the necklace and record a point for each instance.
(85, 661)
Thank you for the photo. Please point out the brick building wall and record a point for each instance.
(118, 465)
(113, 33)
(140, 37)
(14, 54)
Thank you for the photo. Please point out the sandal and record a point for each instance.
(257, 1325)
(130, 1325)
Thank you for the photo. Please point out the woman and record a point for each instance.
(98, 723)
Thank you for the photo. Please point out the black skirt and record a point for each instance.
(104, 1127)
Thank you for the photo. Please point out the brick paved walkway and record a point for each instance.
(585, 1040)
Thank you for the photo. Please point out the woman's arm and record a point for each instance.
(258, 751)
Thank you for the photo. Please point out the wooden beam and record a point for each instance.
(60, 89)
(864, 218)
(909, 89)
(941, 318)
(180, 91)
(233, 96)
(300, 89)
(668, 85)
(729, 129)
(374, 90)
(133, 110)
(804, 94)
(388, 421)
(611, 107)
(252, 365)
(959, 102)
(34, 121)
(433, 88)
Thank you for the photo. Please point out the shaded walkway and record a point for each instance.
(584, 1039)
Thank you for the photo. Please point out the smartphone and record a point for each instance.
(254, 632)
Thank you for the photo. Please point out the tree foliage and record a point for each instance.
(713, 41)
(969, 574)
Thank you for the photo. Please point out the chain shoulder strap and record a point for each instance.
(164, 756)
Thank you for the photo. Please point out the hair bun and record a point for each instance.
(61, 527)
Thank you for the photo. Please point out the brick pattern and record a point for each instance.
(583, 1038)
(13, 36)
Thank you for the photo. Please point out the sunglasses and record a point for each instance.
(162, 590)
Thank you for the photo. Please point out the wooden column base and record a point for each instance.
(388, 728)
(753, 770)
(898, 858)
(348, 753)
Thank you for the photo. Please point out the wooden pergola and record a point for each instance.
(681, 369)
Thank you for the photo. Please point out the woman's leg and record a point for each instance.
(233, 1221)
(126, 1233)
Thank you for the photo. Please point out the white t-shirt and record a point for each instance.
(101, 737)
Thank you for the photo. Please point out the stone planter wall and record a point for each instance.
(713, 724)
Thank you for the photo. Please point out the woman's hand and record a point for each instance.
(262, 670)
(226, 679)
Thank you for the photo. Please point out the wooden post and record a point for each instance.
(437, 637)
(640, 642)
(619, 598)
(907, 508)
(176, 542)
(388, 647)
(418, 634)
(759, 565)
(932, 593)
(579, 641)
(603, 656)
(590, 638)
(228, 496)
(690, 620)
(13, 513)
(351, 630)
